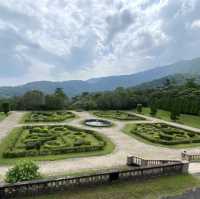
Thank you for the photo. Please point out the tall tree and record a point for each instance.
(33, 100)
(6, 107)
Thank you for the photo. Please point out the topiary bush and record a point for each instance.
(23, 171)
(139, 108)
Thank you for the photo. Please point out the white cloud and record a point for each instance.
(196, 24)
(79, 39)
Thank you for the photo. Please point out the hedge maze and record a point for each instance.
(52, 140)
(117, 115)
(165, 134)
(56, 116)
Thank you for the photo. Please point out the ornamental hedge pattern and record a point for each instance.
(54, 116)
(165, 134)
(118, 115)
(52, 140)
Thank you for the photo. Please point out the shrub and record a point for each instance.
(6, 107)
(23, 171)
(153, 111)
(139, 108)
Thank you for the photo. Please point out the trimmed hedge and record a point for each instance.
(165, 134)
(52, 145)
(118, 115)
(42, 116)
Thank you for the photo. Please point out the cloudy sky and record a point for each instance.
(80, 39)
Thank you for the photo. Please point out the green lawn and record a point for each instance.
(108, 148)
(149, 189)
(2, 116)
(190, 120)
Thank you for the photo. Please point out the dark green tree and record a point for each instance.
(6, 107)
(153, 109)
(33, 100)
(139, 108)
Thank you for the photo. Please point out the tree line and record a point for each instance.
(37, 100)
(170, 97)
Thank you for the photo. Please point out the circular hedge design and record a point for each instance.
(54, 116)
(97, 123)
(165, 134)
(53, 140)
(118, 115)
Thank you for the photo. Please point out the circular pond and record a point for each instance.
(97, 123)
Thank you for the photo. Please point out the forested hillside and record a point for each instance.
(76, 87)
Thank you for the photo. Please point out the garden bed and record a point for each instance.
(117, 115)
(52, 140)
(163, 134)
(48, 116)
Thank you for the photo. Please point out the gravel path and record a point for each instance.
(125, 145)
(9, 122)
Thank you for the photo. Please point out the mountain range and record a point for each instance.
(75, 87)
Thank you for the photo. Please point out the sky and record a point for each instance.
(62, 40)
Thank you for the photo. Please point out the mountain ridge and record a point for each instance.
(74, 87)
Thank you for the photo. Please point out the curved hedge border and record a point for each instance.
(117, 115)
(50, 116)
(165, 134)
(12, 153)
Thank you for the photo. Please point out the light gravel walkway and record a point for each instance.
(9, 123)
(125, 145)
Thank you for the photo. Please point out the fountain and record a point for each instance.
(97, 123)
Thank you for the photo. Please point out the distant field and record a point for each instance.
(151, 189)
(2, 116)
(190, 120)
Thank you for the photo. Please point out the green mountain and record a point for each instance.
(177, 79)
(189, 67)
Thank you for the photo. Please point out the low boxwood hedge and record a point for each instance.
(48, 116)
(75, 141)
(165, 134)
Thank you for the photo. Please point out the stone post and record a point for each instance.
(130, 161)
(144, 163)
(185, 167)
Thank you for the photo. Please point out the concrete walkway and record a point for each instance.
(125, 145)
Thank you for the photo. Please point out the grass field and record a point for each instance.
(2, 116)
(149, 189)
(190, 120)
(108, 148)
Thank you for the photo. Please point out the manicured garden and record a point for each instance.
(163, 134)
(52, 142)
(190, 120)
(48, 116)
(117, 115)
(151, 189)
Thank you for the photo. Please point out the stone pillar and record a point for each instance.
(184, 156)
(185, 167)
(144, 163)
(130, 161)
